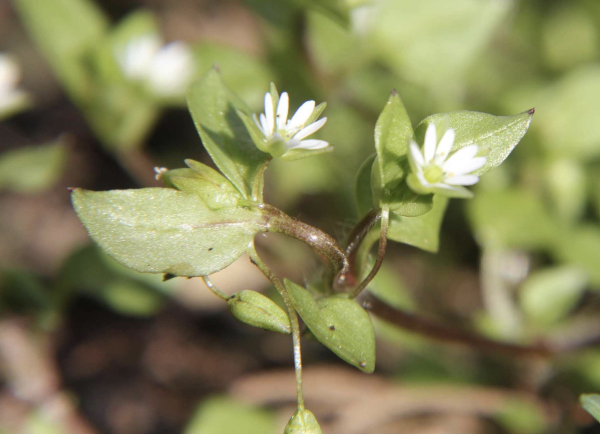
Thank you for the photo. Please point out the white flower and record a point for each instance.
(167, 70)
(10, 74)
(277, 129)
(159, 171)
(435, 170)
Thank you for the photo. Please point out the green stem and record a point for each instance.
(385, 220)
(256, 260)
(214, 289)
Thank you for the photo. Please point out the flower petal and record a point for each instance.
(430, 143)
(307, 131)
(463, 180)
(265, 127)
(282, 110)
(302, 114)
(469, 166)
(443, 149)
(313, 144)
(461, 157)
(270, 116)
(416, 156)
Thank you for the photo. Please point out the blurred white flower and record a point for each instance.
(10, 74)
(435, 170)
(276, 127)
(167, 70)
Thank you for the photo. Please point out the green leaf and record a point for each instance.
(339, 323)
(591, 402)
(131, 298)
(566, 183)
(581, 248)
(303, 422)
(32, 169)
(393, 133)
(496, 136)
(65, 31)
(511, 218)
(221, 415)
(422, 231)
(161, 230)
(255, 309)
(213, 107)
(549, 295)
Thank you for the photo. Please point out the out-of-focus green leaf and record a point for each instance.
(432, 42)
(222, 415)
(581, 248)
(339, 323)
(547, 296)
(338, 10)
(569, 112)
(567, 186)
(32, 169)
(523, 417)
(511, 218)
(570, 36)
(303, 422)
(161, 230)
(591, 402)
(21, 290)
(213, 107)
(244, 74)
(255, 309)
(65, 30)
(131, 298)
(389, 288)
(496, 136)
(393, 133)
(422, 231)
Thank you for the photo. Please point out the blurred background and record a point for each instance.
(87, 346)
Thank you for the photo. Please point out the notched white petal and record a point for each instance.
(282, 110)
(302, 114)
(430, 143)
(312, 128)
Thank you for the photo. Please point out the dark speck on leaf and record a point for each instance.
(210, 249)
(331, 327)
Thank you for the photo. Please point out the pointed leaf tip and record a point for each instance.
(394, 92)
(531, 111)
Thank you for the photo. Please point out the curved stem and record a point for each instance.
(385, 219)
(320, 241)
(355, 239)
(214, 289)
(256, 260)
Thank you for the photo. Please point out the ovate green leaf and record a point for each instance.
(422, 231)
(303, 422)
(161, 230)
(339, 323)
(581, 248)
(547, 296)
(496, 136)
(255, 309)
(213, 107)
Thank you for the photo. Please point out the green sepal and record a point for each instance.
(496, 136)
(339, 323)
(256, 134)
(303, 421)
(161, 230)
(253, 308)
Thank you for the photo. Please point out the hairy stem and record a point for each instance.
(272, 277)
(385, 219)
(320, 241)
(355, 240)
(214, 289)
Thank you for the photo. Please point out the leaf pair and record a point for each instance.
(495, 137)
